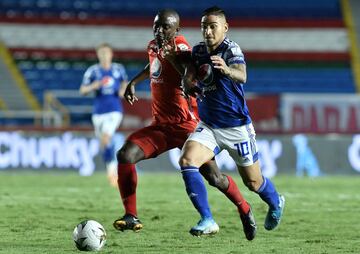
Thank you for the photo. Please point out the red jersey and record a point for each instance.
(168, 104)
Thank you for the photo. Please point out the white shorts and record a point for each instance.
(106, 123)
(238, 141)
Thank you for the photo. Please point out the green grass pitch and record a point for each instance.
(38, 212)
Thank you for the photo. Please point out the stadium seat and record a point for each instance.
(246, 8)
(44, 73)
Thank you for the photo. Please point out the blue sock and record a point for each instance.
(108, 153)
(196, 190)
(268, 193)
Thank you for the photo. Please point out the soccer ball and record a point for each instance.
(89, 235)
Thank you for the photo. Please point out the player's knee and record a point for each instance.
(124, 156)
(120, 156)
(252, 185)
(185, 161)
(105, 140)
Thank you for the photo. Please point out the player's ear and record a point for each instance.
(226, 27)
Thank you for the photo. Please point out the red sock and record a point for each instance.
(233, 193)
(127, 182)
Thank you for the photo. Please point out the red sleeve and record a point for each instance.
(183, 47)
(182, 44)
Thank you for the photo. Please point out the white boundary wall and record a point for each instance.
(136, 38)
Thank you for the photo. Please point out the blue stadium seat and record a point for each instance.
(329, 80)
(45, 75)
(187, 8)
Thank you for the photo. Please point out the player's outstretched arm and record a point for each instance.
(236, 72)
(122, 89)
(129, 94)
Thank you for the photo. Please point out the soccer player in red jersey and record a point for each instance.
(173, 121)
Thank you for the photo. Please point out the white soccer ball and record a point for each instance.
(89, 235)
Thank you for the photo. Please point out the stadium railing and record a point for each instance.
(28, 117)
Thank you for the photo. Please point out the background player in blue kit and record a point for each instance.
(108, 80)
(219, 67)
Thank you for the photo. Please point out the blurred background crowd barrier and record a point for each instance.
(303, 77)
(300, 155)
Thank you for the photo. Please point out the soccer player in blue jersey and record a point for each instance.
(219, 68)
(108, 80)
(174, 118)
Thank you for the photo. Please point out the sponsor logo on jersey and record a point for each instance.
(205, 74)
(155, 68)
(107, 81)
